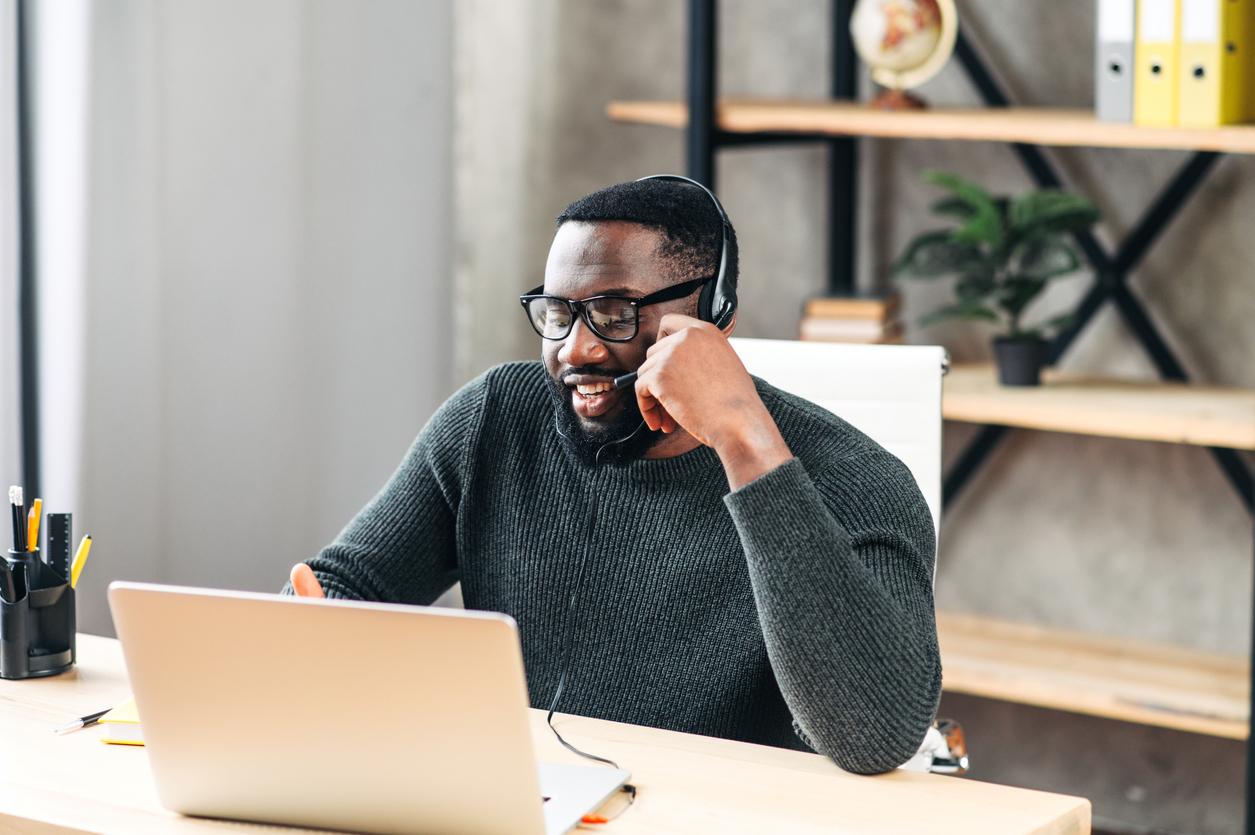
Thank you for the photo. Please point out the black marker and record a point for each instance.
(625, 381)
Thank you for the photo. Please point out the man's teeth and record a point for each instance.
(595, 388)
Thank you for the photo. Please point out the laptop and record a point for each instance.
(332, 714)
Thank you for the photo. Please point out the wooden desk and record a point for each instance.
(75, 784)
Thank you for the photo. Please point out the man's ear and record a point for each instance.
(731, 326)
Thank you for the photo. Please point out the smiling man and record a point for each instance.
(744, 563)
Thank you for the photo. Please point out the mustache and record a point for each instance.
(592, 371)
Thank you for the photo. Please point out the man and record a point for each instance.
(752, 567)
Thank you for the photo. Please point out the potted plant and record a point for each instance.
(1004, 252)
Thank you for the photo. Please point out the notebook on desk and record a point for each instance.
(342, 715)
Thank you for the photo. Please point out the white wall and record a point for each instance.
(59, 39)
(10, 414)
(270, 230)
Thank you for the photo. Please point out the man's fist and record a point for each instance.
(304, 583)
(692, 379)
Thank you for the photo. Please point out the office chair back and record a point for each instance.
(891, 393)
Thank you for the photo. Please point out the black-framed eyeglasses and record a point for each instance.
(613, 318)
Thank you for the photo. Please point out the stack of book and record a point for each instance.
(864, 320)
(1175, 62)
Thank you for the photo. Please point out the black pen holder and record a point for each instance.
(37, 628)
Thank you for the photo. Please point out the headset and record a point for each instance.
(717, 303)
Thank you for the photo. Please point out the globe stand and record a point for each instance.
(891, 99)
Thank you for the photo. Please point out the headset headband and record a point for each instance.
(719, 305)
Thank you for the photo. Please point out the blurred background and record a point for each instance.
(274, 236)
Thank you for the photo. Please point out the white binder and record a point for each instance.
(1113, 61)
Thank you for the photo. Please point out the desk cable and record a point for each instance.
(575, 595)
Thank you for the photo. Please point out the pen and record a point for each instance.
(79, 559)
(625, 381)
(82, 722)
(32, 525)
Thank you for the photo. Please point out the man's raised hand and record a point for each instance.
(693, 379)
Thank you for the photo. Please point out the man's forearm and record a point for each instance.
(856, 662)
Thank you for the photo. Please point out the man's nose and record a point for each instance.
(582, 347)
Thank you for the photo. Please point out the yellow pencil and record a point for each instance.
(79, 558)
(32, 525)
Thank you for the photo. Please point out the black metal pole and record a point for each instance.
(1139, 322)
(969, 462)
(1250, 737)
(28, 307)
(1163, 211)
(1237, 473)
(1085, 311)
(703, 62)
(842, 161)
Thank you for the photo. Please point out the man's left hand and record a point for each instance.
(692, 379)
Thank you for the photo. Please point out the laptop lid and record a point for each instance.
(334, 714)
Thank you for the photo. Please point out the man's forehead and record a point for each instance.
(612, 257)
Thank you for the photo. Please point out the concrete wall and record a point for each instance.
(1129, 538)
(270, 266)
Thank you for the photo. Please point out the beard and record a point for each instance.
(618, 441)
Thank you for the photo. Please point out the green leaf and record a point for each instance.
(1018, 292)
(1052, 210)
(935, 254)
(1047, 257)
(977, 284)
(970, 310)
(953, 207)
(985, 224)
(1060, 323)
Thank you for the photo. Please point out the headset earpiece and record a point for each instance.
(717, 302)
(705, 306)
(722, 316)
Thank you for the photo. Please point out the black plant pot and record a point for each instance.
(1020, 360)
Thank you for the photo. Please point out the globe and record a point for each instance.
(904, 42)
(898, 35)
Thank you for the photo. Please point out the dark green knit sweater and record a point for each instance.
(796, 611)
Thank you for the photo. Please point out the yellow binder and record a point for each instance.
(1215, 69)
(1156, 79)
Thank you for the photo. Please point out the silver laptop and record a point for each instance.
(342, 715)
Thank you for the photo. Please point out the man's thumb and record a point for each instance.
(304, 582)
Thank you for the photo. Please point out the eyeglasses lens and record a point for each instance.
(612, 318)
(550, 317)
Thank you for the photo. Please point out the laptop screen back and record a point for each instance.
(331, 714)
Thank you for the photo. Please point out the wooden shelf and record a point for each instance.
(1173, 412)
(1036, 125)
(1151, 684)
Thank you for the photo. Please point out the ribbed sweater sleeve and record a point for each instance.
(402, 547)
(843, 590)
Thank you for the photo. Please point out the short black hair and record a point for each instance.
(686, 217)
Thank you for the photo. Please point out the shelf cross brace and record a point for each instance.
(1110, 284)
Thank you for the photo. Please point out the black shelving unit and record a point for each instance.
(1112, 269)
(28, 286)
